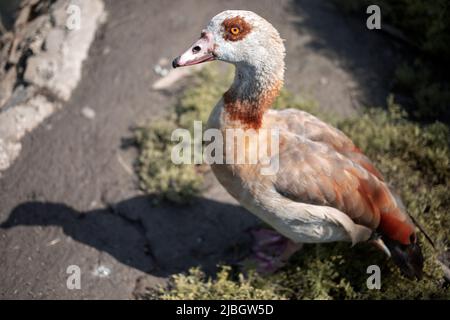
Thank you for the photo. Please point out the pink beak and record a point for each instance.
(200, 51)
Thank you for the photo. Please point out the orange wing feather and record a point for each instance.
(337, 174)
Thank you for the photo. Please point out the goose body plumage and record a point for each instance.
(324, 189)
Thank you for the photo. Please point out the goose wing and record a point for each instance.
(311, 127)
(316, 173)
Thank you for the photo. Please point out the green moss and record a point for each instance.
(195, 285)
(430, 94)
(288, 100)
(331, 271)
(198, 100)
(157, 174)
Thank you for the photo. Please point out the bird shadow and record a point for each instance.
(159, 240)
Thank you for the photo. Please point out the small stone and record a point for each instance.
(88, 113)
(163, 62)
(102, 271)
(175, 75)
(106, 51)
(7, 86)
(160, 71)
(59, 13)
(54, 241)
(164, 72)
(40, 70)
(54, 40)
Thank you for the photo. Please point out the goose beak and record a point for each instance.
(201, 51)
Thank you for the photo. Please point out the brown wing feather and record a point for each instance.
(315, 173)
(314, 129)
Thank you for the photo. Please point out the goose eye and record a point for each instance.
(235, 30)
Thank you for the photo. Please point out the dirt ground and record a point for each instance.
(71, 196)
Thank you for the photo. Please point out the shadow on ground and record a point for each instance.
(203, 234)
(369, 55)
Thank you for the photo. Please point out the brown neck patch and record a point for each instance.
(249, 111)
(236, 28)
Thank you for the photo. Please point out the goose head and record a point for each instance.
(240, 37)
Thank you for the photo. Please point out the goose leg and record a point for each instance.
(271, 250)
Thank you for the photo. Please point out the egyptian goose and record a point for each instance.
(325, 188)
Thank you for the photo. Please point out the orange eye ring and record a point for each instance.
(235, 30)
